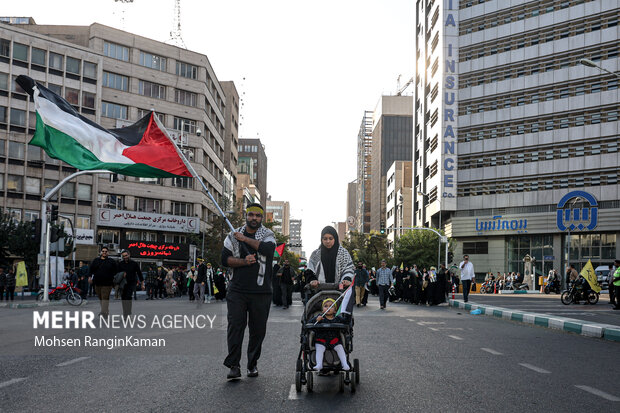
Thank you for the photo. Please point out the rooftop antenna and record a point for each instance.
(175, 35)
(123, 11)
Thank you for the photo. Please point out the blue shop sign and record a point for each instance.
(498, 224)
(582, 218)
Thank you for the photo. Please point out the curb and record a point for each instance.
(39, 304)
(584, 328)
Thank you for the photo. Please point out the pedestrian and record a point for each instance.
(331, 262)
(10, 284)
(616, 286)
(424, 297)
(200, 283)
(2, 283)
(467, 276)
(161, 282)
(102, 270)
(442, 284)
(573, 275)
(286, 276)
(249, 292)
(361, 278)
(384, 281)
(191, 281)
(610, 283)
(151, 284)
(210, 275)
(82, 273)
(455, 279)
(219, 286)
(277, 291)
(131, 271)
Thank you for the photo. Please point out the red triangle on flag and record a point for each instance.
(280, 249)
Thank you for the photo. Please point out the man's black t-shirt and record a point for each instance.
(287, 275)
(244, 279)
(132, 270)
(103, 271)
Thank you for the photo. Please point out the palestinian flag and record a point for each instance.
(348, 300)
(279, 251)
(143, 149)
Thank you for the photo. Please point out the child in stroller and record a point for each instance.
(329, 339)
(326, 338)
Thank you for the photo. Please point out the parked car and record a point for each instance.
(602, 271)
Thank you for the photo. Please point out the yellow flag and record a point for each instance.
(588, 273)
(21, 276)
(401, 265)
(215, 290)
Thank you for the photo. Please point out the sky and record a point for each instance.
(305, 71)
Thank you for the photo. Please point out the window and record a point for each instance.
(476, 247)
(116, 51)
(88, 100)
(84, 191)
(73, 65)
(68, 190)
(175, 239)
(114, 81)
(90, 70)
(56, 61)
(5, 47)
(181, 208)
(15, 183)
(82, 222)
(30, 216)
(153, 61)
(72, 96)
(143, 112)
(20, 52)
(18, 117)
(147, 205)
(110, 201)
(108, 236)
(38, 56)
(33, 185)
(187, 70)
(152, 90)
(55, 88)
(16, 150)
(4, 81)
(132, 235)
(112, 110)
(184, 97)
(181, 182)
(186, 125)
(34, 153)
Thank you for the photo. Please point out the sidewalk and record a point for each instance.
(586, 328)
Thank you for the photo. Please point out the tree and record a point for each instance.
(417, 247)
(214, 237)
(7, 226)
(368, 248)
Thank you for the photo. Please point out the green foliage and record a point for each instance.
(6, 230)
(23, 244)
(368, 248)
(214, 238)
(418, 247)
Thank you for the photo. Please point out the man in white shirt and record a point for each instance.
(467, 275)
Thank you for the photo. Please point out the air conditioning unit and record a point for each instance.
(114, 247)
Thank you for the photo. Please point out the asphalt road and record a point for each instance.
(412, 359)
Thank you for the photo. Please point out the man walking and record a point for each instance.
(384, 281)
(286, 276)
(249, 252)
(360, 280)
(467, 275)
(616, 284)
(131, 271)
(200, 283)
(102, 270)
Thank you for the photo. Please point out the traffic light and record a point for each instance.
(450, 256)
(54, 213)
(382, 228)
(36, 236)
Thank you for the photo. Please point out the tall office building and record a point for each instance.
(295, 237)
(364, 173)
(352, 207)
(398, 200)
(113, 78)
(391, 141)
(231, 143)
(281, 213)
(516, 142)
(252, 151)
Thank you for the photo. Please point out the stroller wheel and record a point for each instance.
(298, 381)
(353, 376)
(356, 368)
(309, 381)
(299, 365)
(341, 384)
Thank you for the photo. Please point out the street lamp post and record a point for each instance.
(439, 228)
(590, 63)
(568, 240)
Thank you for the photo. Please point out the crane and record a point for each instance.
(402, 89)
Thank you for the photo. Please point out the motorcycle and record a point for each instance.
(521, 287)
(64, 290)
(487, 287)
(574, 294)
(553, 286)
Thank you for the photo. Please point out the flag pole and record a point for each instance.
(191, 170)
(333, 304)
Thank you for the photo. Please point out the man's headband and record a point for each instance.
(255, 209)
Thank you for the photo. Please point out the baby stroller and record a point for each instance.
(306, 360)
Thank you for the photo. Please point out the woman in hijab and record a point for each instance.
(331, 262)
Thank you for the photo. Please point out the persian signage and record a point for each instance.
(146, 220)
(161, 251)
(82, 236)
(577, 219)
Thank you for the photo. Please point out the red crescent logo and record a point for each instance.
(104, 215)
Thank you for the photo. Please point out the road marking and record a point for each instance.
(410, 320)
(293, 394)
(536, 369)
(12, 381)
(599, 393)
(488, 350)
(434, 329)
(77, 360)
(455, 337)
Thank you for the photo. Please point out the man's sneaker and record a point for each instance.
(234, 373)
(253, 372)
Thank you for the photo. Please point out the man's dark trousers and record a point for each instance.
(287, 294)
(127, 297)
(466, 289)
(251, 310)
(383, 294)
(616, 294)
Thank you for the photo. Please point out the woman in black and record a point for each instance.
(331, 262)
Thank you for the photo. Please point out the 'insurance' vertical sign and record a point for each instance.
(450, 104)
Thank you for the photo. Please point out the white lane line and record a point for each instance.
(77, 360)
(410, 320)
(455, 337)
(536, 369)
(293, 395)
(12, 381)
(434, 329)
(489, 350)
(599, 393)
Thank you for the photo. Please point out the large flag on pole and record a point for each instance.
(279, 251)
(588, 273)
(143, 149)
